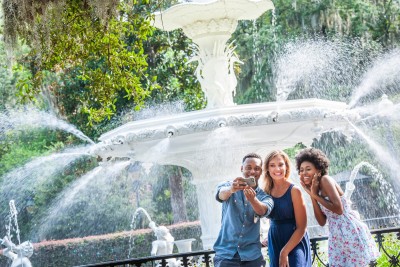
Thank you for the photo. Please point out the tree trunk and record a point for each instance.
(177, 197)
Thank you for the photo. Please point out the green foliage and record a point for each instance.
(392, 247)
(161, 196)
(109, 58)
(18, 147)
(6, 90)
(160, 204)
(168, 57)
(292, 151)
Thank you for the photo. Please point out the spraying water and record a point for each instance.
(132, 225)
(21, 184)
(314, 67)
(385, 187)
(383, 75)
(103, 184)
(13, 222)
(33, 117)
(382, 155)
(18, 253)
(155, 152)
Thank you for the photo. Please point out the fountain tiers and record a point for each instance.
(210, 25)
(257, 128)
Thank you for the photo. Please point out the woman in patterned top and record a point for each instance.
(350, 242)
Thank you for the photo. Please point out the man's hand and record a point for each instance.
(249, 193)
(238, 184)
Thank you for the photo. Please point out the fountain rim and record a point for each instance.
(221, 112)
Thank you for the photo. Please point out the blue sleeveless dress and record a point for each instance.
(282, 226)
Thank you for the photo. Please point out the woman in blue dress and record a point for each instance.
(288, 241)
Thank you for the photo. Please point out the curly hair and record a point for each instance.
(269, 183)
(316, 157)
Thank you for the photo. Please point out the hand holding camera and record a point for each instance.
(250, 181)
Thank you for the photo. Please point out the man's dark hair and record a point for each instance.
(252, 155)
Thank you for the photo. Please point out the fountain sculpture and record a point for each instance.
(19, 254)
(165, 242)
(256, 127)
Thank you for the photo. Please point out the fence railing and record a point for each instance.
(387, 239)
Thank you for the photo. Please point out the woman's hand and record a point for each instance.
(306, 187)
(283, 260)
(314, 189)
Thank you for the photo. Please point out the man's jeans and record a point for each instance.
(236, 262)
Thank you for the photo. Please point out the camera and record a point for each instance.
(251, 181)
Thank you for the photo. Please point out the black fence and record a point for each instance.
(387, 239)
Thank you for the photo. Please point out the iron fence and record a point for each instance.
(387, 239)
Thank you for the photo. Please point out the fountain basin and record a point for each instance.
(263, 125)
(184, 245)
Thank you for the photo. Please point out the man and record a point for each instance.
(238, 242)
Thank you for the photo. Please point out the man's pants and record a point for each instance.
(236, 262)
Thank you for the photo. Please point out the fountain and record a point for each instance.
(210, 25)
(211, 142)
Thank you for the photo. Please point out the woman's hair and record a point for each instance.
(316, 157)
(269, 184)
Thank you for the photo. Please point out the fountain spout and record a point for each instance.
(164, 244)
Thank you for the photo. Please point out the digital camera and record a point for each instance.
(251, 181)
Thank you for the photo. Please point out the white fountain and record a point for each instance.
(189, 139)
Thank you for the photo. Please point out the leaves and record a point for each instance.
(109, 58)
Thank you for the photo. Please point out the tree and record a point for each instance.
(177, 197)
(89, 38)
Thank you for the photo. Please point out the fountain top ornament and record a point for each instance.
(210, 25)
